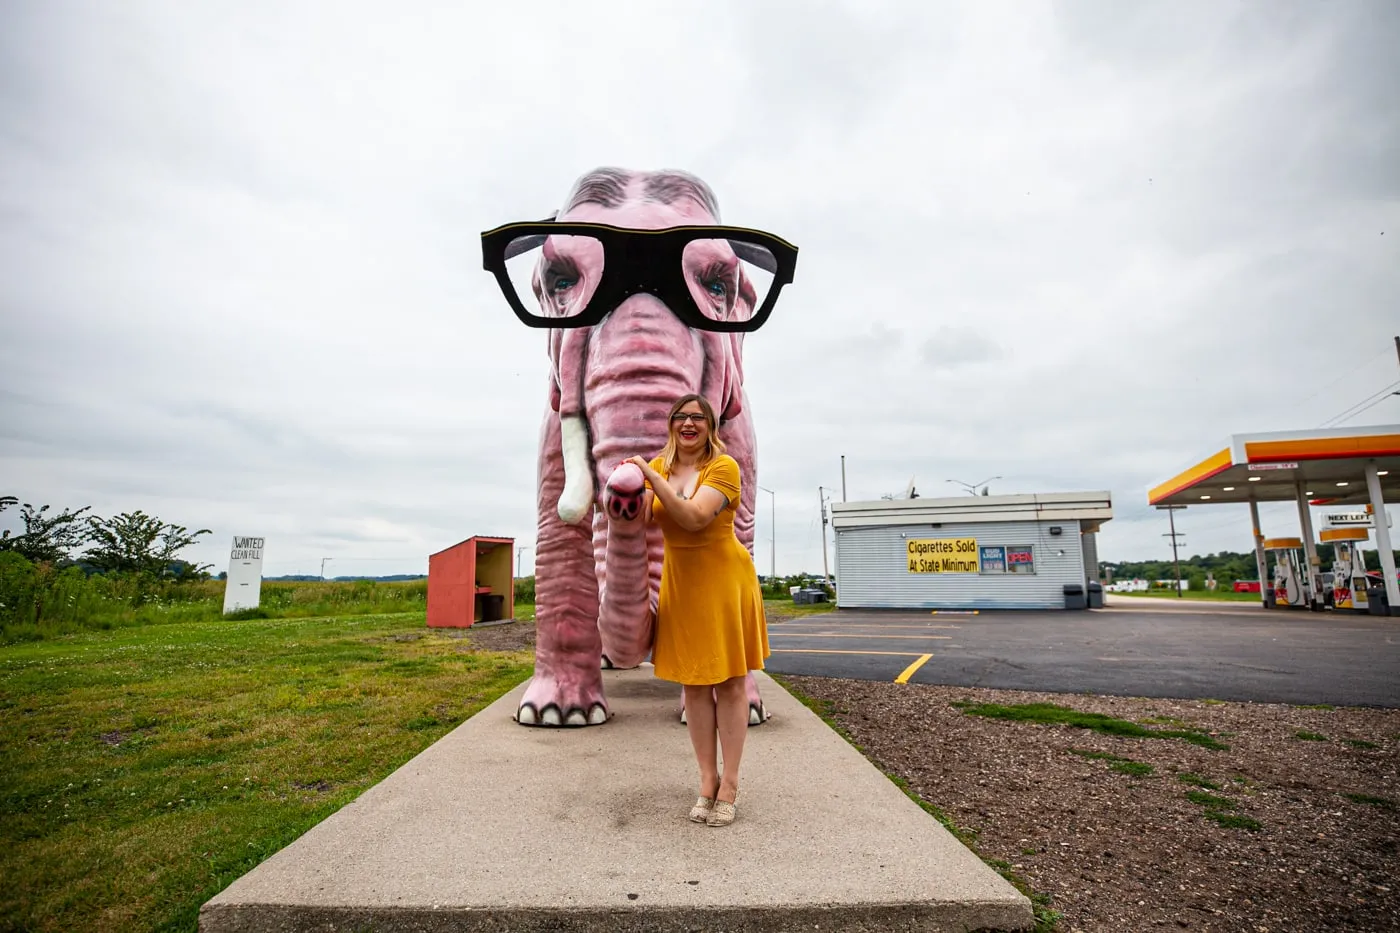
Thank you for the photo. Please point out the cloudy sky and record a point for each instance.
(1076, 245)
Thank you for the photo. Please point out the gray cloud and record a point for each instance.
(1077, 245)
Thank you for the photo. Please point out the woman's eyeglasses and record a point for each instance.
(683, 417)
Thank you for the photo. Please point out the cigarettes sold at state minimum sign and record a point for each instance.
(943, 555)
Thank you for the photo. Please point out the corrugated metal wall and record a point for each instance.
(872, 569)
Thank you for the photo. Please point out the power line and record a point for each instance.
(1346, 375)
(1352, 411)
(1373, 404)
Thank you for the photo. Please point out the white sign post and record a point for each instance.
(244, 587)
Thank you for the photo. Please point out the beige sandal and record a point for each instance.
(724, 812)
(700, 813)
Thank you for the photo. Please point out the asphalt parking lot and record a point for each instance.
(1235, 652)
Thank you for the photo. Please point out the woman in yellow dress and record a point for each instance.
(710, 629)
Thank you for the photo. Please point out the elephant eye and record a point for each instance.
(559, 278)
(716, 279)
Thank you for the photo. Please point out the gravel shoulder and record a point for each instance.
(1121, 852)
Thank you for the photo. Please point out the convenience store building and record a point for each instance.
(968, 552)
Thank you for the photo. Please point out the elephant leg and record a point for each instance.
(758, 713)
(626, 618)
(567, 687)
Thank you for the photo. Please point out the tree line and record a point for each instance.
(1226, 567)
(127, 543)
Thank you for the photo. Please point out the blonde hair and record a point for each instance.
(713, 445)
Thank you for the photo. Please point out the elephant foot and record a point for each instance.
(566, 698)
(758, 714)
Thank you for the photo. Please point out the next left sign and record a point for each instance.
(244, 587)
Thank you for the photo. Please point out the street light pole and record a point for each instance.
(772, 532)
(821, 497)
(972, 487)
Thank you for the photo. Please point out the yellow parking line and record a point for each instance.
(852, 635)
(909, 671)
(898, 654)
(882, 625)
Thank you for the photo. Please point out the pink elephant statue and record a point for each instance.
(634, 322)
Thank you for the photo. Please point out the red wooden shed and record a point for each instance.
(470, 582)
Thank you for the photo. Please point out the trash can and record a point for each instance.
(1376, 602)
(1074, 596)
(1095, 595)
(492, 608)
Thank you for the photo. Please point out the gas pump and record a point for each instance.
(1348, 570)
(1288, 576)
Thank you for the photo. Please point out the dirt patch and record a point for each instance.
(508, 636)
(1133, 833)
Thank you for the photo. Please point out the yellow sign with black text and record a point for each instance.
(943, 555)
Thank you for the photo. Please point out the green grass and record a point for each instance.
(1046, 919)
(1232, 820)
(1217, 807)
(1219, 596)
(1385, 803)
(1054, 714)
(1121, 765)
(1360, 743)
(1186, 777)
(1217, 810)
(76, 604)
(1310, 736)
(785, 606)
(1210, 801)
(1322, 706)
(144, 769)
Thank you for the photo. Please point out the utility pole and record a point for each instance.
(1171, 516)
(843, 456)
(518, 552)
(323, 567)
(772, 532)
(821, 497)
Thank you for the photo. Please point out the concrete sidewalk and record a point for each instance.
(501, 827)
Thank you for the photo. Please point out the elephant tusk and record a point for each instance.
(577, 498)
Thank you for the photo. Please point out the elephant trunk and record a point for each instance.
(638, 363)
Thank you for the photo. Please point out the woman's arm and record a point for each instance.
(690, 514)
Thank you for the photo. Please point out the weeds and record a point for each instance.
(1121, 765)
(1310, 736)
(1385, 803)
(1186, 777)
(1054, 714)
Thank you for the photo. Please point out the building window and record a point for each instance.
(993, 559)
(1020, 559)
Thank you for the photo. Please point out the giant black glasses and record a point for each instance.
(712, 277)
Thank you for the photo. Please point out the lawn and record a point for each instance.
(143, 769)
(1224, 596)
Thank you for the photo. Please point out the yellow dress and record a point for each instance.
(709, 624)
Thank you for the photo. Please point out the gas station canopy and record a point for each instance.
(1331, 464)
